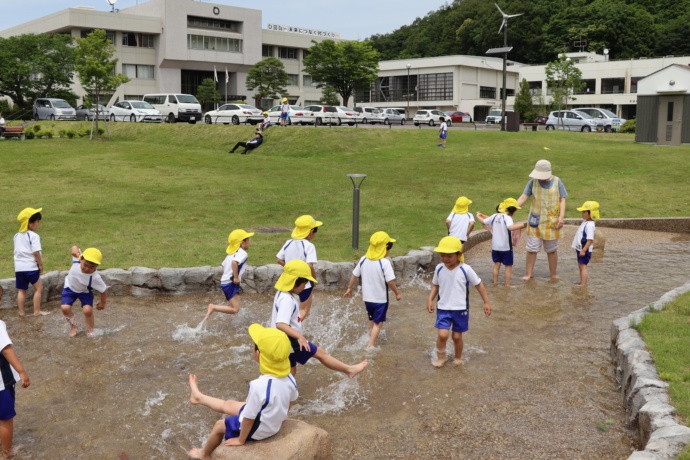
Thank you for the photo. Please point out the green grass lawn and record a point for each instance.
(667, 334)
(168, 195)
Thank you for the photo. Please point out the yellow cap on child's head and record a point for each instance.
(274, 348)
(92, 255)
(294, 269)
(377, 245)
(235, 239)
(592, 207)
(462, 205)
(450, 245)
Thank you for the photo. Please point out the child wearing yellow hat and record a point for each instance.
(286, 317)
(450, 286)
(377, 276)
(583, 243)
(82, 279)
(234, 266)
(28, 263)
(265, 123)
(300, 247)
(502, 227)
(270, 396)
(460, 221)
(284, 112)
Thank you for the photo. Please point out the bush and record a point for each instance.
(70, 134)
(62, 133)
(37, 128)
(628, 127)
(30, 134)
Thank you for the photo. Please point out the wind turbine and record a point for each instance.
(505, 61)
(505, 23)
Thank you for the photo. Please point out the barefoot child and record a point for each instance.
(460, 221)
(12, 371)
(451, 285)
(28, 264)
(233, 269)
(286, 317)
(502, 226)
(584, 238)
(269, 399)
(83, 278)
(377, 276)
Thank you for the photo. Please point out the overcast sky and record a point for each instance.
(353, 19)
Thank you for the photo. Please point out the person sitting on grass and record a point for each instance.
(251, 144)
(265, 123)
(233, 268)
(270, 396)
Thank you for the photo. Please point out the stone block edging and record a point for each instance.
(644, 393)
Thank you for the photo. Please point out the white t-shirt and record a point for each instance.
(278, 393)
(4, 365)
(443, 127)
(298, 249)
(500, 235)
(452, 286)
(25, 244)
(286, 310)
(240, 256)
(79, 282)
(459, 224)
(375, 275)
(586, 229)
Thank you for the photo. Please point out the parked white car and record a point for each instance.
(321, 115)
(392, 116)
(235, 114)
(572, 120)
(86, 113)
(135, 111)
(346, 115)
(611, 121)
(368, 115)
(296, 115)
(428, 117)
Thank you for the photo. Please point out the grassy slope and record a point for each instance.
(168, 195)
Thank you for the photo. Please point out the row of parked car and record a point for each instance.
(585, 119)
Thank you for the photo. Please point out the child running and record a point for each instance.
(234, 266)
(502, 226)
(377, 276)
(286, 317)
(270, 396)
(442, 132)
(583, 243)
(450, 284)
(83, 278)
(11, 371)
(28, 264)
(460, 222)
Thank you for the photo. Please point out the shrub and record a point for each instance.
(30, 134)
(70, 134)
(62, 133)
(37, 127)
(628, 127)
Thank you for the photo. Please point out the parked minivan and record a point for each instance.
(46, 108)
(176, 107)
(611, 121)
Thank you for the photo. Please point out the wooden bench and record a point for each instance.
(14, 131)
(534, 126)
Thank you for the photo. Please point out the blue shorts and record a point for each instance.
(376, 311)
(230, 290)
(283, 114)
(503, 257)
(24, 279)
(458, 319)
(443, 135)
(69, 297)
(300, 356)
(7, 403)
(305, 294)
(583, 260)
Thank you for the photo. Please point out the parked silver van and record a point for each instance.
(53, 109)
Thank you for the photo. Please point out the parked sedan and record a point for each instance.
(458, 117)
(392, 116)
(235, 114)
(321, 115)
(296, 115)
(428, 117)
(85, 113)
(572, 120)
(135, 111)
(346, 115)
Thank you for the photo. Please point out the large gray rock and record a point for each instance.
(667, 442)
(172, 279)
(145, 278)
(198, 279)
(296, 440)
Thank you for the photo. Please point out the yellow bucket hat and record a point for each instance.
(462, 205)
(450, 245)
(24, 217)
(303, 226)
(592, 207)
(235, 239)
(377, 245)
(507, 203)
(92, 255)
(285, 99)
(294, 269)
(274, 348)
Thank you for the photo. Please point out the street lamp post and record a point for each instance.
(407, 90)
(357, 180)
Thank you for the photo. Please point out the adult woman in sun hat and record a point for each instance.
(546, 216)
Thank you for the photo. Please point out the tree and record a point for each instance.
(269, 78)
(36, 66)
(563, 79)
(329, 96)
(207, 92)
(96, 68)
(346, 66)
(523, 102)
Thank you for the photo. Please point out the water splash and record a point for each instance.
(155, 401)
(184, 333)
(333, 399)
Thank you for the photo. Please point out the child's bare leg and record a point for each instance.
(222, 406)
(6, 435)
(336, 365)
(497, 268)
(231, 309)
(441, 348)
(69, 316)
(457, 341)
(374, 331)
(213, 441)
(583, 274)
(509, 272)
(38, 297)
(305, 307)
(88, 319)
(21, 300)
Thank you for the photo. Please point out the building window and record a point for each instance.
(306, 80)
(633, 84)
(511, 92)
(436, 87)
(305, 53)
(216, 24)
(294, 79)
(535, 88)
(486, 92)
(138, 71)
(612, 85)
(137, 40)
(267, 51)
(109, 35)
(134, 97)
(202, 42)
(287, 53)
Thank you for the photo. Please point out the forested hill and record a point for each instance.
(628, 28)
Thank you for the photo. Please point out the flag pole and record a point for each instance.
(227, 77)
